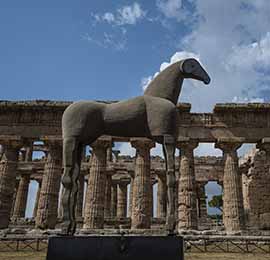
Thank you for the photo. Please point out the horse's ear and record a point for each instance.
(189, 65)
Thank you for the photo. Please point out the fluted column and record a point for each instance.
(21, 197)
(48, 201)
(14, 196)
(161, 196)
(233, 209)
(86, 194)
(8, 166)
(130, 194)
(187, 197)
(114, 199)
(79, 205)
(264, 145)
(141, 208)
(94, 208)
(202, 204)
(108, 194)
(122, 199)
(37, 199)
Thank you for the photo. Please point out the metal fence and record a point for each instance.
(192, 244)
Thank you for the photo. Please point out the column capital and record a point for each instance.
(11, 146)
(229, 144)
(264, 144)
(54, 144)
(142, 143)
(186, 143)
(102, 143)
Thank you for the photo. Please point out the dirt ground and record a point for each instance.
(189, 256)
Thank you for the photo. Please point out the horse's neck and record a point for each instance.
(167, 84)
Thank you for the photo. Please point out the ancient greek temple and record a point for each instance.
(117, 191)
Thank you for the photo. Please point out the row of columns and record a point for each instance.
(104, 199)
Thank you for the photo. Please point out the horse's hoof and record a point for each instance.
(65, 228)
(73, 228)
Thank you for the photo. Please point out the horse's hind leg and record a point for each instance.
(70, 156)
(169, 148)
(74, 190)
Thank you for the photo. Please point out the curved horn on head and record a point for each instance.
(193, 69)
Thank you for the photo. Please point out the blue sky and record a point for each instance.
(109, 50)
(72, 50)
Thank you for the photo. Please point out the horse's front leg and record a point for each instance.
(169, 149)
(70, 155)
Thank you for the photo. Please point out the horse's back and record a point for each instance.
(83, 118)
(126, 118)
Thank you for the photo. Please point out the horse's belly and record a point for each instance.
(126, 118)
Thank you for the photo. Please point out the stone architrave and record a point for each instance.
(233, 209)
(94, 201)
(161, 196)
(8, 166)
(114, 199)
(141, 208)
(187, 195)
(21, 197)
(48, 200)
(121, 211)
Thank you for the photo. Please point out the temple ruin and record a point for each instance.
(117, 191)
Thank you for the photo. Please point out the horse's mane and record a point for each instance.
(166, 84)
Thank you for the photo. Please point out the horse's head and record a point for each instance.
(191, 68)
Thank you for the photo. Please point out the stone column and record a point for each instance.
(14, 196)
(151, 198)
(8, 166)
(121, 211)
(161, 196)
(202, 204)
(37, 199)
(187, 196)
(264, 145)
(86, 193)
(21, 197)
(130, 194)
(48, 202)
(79, 205)
(94, 208)
(233, 209)
(108, 195)
(114, 199)
(141, 208)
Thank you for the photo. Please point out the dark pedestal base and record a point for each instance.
(115, 248)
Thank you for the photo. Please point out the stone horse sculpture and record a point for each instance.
(152, 115)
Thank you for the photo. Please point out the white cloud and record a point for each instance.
(247, 100)
(172, 9)
(251, 56)
(108, 17)
(229, 34)
(126, 149)
(130, 14)
(207, 149)
(126, 15)
(176, 57)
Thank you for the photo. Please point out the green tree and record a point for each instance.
(216, 202)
